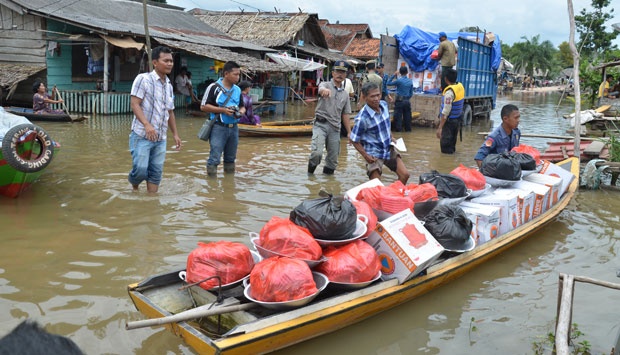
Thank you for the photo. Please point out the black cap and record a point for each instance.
(341, 65)
(380, 65)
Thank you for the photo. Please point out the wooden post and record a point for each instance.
(562, 330)
(573, 48)
(146, 33)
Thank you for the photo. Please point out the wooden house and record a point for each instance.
(354, 40)
(299, 34)
(93, 49)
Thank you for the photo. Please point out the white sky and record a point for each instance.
(510, 20)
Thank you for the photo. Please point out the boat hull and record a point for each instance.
(29, 114)
(14, 182)
(274, 131)
(330, 314)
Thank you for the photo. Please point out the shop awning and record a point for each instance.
(124, 42)
(295, 63)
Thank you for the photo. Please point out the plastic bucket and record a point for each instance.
(278, 93)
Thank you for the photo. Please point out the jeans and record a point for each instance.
(147, 160)
(324, 135)
(402, 116)
(223, 140)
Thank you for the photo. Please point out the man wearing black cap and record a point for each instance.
(332, 110)
(447, 56)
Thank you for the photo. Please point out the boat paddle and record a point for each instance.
(64, 107)
(198, 312)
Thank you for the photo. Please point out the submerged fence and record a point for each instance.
(104, 103)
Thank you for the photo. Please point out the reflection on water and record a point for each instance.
(72, 244)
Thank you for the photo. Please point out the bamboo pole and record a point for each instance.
(577, 86)
(564, 316)
(148, 37)
(198, 312)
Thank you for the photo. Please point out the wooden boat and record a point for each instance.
(259, 330)
(29, 114)
(299, 122)
(275, 130)
(26, 152)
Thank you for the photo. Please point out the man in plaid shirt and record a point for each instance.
(372, 138)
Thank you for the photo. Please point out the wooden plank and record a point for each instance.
(594, 148)
(562, 331)
(603, 108)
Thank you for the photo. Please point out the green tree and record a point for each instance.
(565, 56)
(533, 56)
(596, 42)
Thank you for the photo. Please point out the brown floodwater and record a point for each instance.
(72, 244)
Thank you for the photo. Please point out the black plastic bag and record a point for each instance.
(451, 227)
(502, 166)
(327, 218)
(526, 161)
(447, 185)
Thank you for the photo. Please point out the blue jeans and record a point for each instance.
(223, 140)
(148, 160)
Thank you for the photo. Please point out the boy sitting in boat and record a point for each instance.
(41, 100)
(249, 117)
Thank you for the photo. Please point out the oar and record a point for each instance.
(80, 118)
(198, 312)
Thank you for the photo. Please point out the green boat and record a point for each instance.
(26, 151)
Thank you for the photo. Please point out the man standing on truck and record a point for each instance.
(447, 56)
(451, 115)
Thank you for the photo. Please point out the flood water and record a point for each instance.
(72, 244)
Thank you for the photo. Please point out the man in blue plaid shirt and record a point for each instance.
(372, 138)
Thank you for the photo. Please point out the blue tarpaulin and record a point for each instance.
(416, 46)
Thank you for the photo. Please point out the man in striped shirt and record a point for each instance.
(152, 102)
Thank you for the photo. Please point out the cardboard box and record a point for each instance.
(351, 194)
(487, 220)
(548, 168)
(525, 202)
(509, 214)
(404, 246)
(553, 182)
(541, 195)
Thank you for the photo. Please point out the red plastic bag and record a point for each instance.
(527, 149)
(371, 195)
(435, 54)
(351, 263)
(364, 209)
(422, 192)
(230, 261)
(472, 177)
(281, 279)
(285, 237)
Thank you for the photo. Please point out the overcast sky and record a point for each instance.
(510, 20)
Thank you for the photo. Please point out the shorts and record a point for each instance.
(378, 164)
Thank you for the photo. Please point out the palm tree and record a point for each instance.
(532, 56)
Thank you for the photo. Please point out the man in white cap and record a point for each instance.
(332, 111)
(447, 56)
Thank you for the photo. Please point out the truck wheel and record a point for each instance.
(467, 115)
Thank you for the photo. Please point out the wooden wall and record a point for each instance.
(20, 38)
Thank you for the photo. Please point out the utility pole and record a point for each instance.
(148, 38)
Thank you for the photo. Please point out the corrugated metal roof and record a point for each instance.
(11, 74)
(247, 62)
(327, 54)
(126, 17)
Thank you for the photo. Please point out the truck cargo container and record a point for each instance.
(477, 65)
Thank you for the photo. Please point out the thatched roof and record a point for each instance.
(246, 62)
(12, 74)
(268, 29)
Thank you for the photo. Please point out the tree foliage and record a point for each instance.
(564, 55)
(533, 56)
(596, 42)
